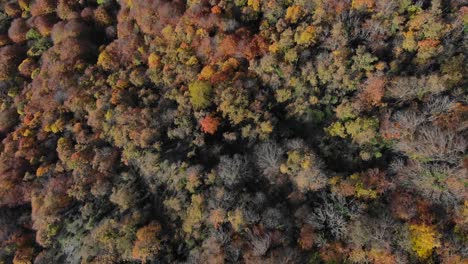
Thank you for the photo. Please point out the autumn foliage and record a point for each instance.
(209, 124)
(243, 131)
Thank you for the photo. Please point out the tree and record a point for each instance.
(18, 30)
(200, 94)
(424, 238)
(269, 156)
(148, 243)
(209, 124)
(234, 171)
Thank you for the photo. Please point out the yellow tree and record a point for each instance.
(424, 239)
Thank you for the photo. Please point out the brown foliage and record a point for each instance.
(68, 9)
(4, 40)
(373, 92)
(147, 243)
(10, 58)
(44, 24)
(375, 179)
(42, 7)
(27, 67)
(306, 237)
(151, 16)
(455, 119)
(334, 252)
(101, 16)
(12, 9)
(8, 118)
(68, 29)
(18, 29)
(402, 205)
(24, 255)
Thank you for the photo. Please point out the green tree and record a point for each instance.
(200, 93)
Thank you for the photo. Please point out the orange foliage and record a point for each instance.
(373, 92)
(428, 43)
(209, 124)
(216, 10)
(359, 4)
(294, 13)
(147, 244)
(256, 47)
(217, 217)
(228, 46)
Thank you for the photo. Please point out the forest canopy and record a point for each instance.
(233, 131)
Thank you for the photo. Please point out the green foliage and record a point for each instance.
(200, 94)
(39, 46)
(362, 130)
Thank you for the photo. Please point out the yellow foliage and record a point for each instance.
(230, 64)
(284, 168)
(26, 133)
(105, 60)
(361, 192)
(409, 43)
(336, 129)
(168, 32)
(255, 4)
(25, 64)
(334, 180)
(200, 93)
(194, 214)
(154, 61)
(313, 100)
(236, 219)
(294, 13)
(207, 72)
(201, 32)
(282, 95)
(24, 4)
(306, 162)
(362, 130)
(56, 127)
(41, 171)
(358, 256)
(266, 127)
(192, 61)
(424, 239)
(273, 48)
(307, 36)
(108, 115)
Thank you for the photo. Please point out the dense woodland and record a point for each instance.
(233, 131)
